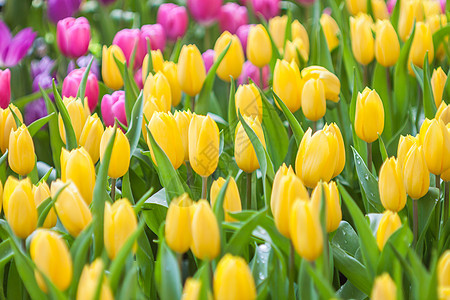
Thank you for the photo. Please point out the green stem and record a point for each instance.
(446, 201)
(438, 204)
(204, 187)
(314, 126)
(415, 221)
(113, 189)
(249, 191)
(369, 157)
(366, 75)
(291, 271)
(261, 78)
(188, 173)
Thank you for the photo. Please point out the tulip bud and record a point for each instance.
(244, 151)
(356, 6)
(203, 145)
(404, 144)
(21, 157)
(205, 232)
(183, 119)
(41, 193)
(362, 38)
(157, 63)
(340, 161)
(421, 44)
(120, 156)
(306, 231)
(384, 288)
(437, 22)
(259, 48)
(369, 115)
(204, 12)
(8, 124)
(69, 30)
(174, 19)
(443, 113)
(416, 176)
(91, 136)
(391, 187)
(313, 99)
(120, 223)
(91, 277)
(50, 253)
(110, 72)
(19, 207)
(317, 157)
(389, 223)
(151, 106)
(248, 101)
(387, 46)
(291, 51)
(431, 8)
(113, 107)
(379, 9)
(266, 8)
(277, 28)
(438, 81)
(191, 70)
(72, 210)
(233, 271)
(158, 86)
(5, 88)
(436, 147)
(330, 81)
(299, 31)
(443, 269)
(72, 83)
(129, 41)
(155, 33)
(232, 16)
(287, 83)
(331, 30)
(78, 114)
(333, 212)
(232, 62)
(232, 200)
(191, 290)
(170, 71)
(208, 59)
(410, 11)
(242, 33)
(178, 224)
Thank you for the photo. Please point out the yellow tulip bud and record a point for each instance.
(232, 62)
(380, 10)
(436, 147)
(313, 99)
(151, 106)
(410, 11)
(19, 207)
(332, 208)
(191, 70)
(183, 119)
(438, 80)
(8, 124)
(384, 288)
(89, 280)
(287, 84)
(120, 156)
(362, 38)
(205, 232)
(41, 193)
(404, 144)
(443, 269)
(191, 290)
(259, 47)
(423, 130)
(233, 271)
(291, 51)
(248, 101)
(389, 223)
(437, 22)
(443, 113)
(306, 231)
(331, 30)
(277, 28)
(356, 6)
(416, 176)
(178, 224)
(299, 31)
(431, 8)
(317, 157)
(157, 62)
(110, 72)
(78, 114)
(77, 166)
(390, 185)
(21, 157)
(91, 136)
(387, 46)
(51, 255)
(287, 188)
(232, 200)
(203, 145)
(421, 44)
(119, 224)
(369, 115)
(340, 161)
(244, 151)
(330, 81)
(170, 70)
(158, 86)
(72, 211)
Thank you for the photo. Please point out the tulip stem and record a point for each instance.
(113, 189)
(291, 271)
(446, 201)
(204, 186)
(314, 126)
(188, 173)
(261, 78)
(415, 221)
(388, 81)
(369, 157)
(193, 103)
(249, 191)
(366, 75)
(438, 204)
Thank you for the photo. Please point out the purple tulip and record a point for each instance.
(60, 9)
(232, 16)
(205, 12)
(242, 33)
(113, 107)
(267, 8)
(5, 88)
(42, 66)
(42, 80)
(138, 79)
(73, 36)
(83, 62)
(13, 49)
(35, 110)
(174, 20)
(72, 83)
(157, 36)
(128, 40)
(208, 59)
(251, 71)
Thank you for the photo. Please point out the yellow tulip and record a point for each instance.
(170, 70)
(277, 29)
(183, 119)
(423, 130)
(443, 269)
(232, 62)
(244, 151)
(306, 231)
(120, 156)
(291, 51)
(151, 106)
(205, 232)
(178, 231)
(410, 11)
(330, 81)
(331, 31)
(332, 208)
(387, 46)
(233, 279)
(120, 222)
(232, 200)
(282, 171)
(203, 145)
(72, 211)
(416, 176)
(19, 207)
(446, 174)
(438, 80)
(436, 147)
(362, 38)
(389, 223)
(299, 31)
(443, 113)
(356, 6)
(380, 10)
(191, 70)
(404, 144)
(437, 22)
(287, 84)
(8, 124)
(51, 255)
(191, 290)
(421, 44)
(390, 185)
(313, 99)
(259, 47)
(369, 115)
(91, 136)
(431, 8)
(110, 72)
(158, 86)
(78, 114)
(41, 193)
(248, 101)
(384, 288)
(157, 62)
(21, 157)
(89, 280)
(340, 161)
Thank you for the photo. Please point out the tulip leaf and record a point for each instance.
(426, 206)
(4, 157)
(429, 105)
(134, 130)
(82, 87)
(71, 139)
(130, 88)
(232, 118)
(48, 206)
(297, 129)
(34, 127)
(346, 238)
(323, 285)
(6, 252)
(384, 154)
(155, 209)
(16, 118)
(129, 285)
(440, 35)
(219, 210)
(176, 51)
(22, 101)
(167, 273)
(202, 106)
(320, 54)
(150, 69)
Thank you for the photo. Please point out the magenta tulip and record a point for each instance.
(73, 36)
(128, 40)
(113, 107)
(60, 9)
(174, 20)
(242, 33)
(14, 49)
(155, 33)
(205, 12)
(72, 83)
(208, 59)
(250, 71)
(267, 8)
(138, 79)
(5, 88)
(232, 16)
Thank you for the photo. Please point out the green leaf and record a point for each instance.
(219, 210)
(439, 36)
(134, 130)
(323, 286)
(6, 252)
(16, 118)
(383, 151)
(34, 127)
(130, 88)
(154, 210)
(4, 157)
(82, 87)
(44, 210)
(297, 130)
(167, 274)
(346, 238)
(176, 51)
(232, 118)
(426, 206)
(71, 139)
(428, 99)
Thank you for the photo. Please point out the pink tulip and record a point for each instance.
(73, 36)
(157, 36)
(72, 83)
(267, 8)
(391, 5)
(174, 20)
(232, 16)
(5, 88)
(128, 40)
(138, 79)
(443, 4)
(242, 33)
(251, 71)
(205, 12)
(113, 107)
(208, 59)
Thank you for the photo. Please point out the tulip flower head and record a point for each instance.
(244, 151)
(41, 192)
(91, 135)
(331, 30)
(174, 19)
(438, 80)
(443, 113)
(78, 113)
(330, 81)
(266, 8)
(191, 290)
(14, 49)
(387, 46)
(259, 48)
(231, 64)
(287, 84)
(232, 16)
(183, 119)
(110, 72)
(205, 12)
(5, 88)
(356, 6)
(390, 185)
(443, 269)
(205, 232)
(72, 83)
(369, 115)
(8, 124)
(362, 38)
(384, 288)
(248, 101)
(416, 176)
(159, 87)
(170, 71)
(333, 212)
(120, 156)
(422, 43)
(232, 200)
(191, 70)
(389, 223)
(91, 276)
(436, 147)
(313, 99)
(178, 231)
(21, 156)
(157, 63)
(70, 29)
